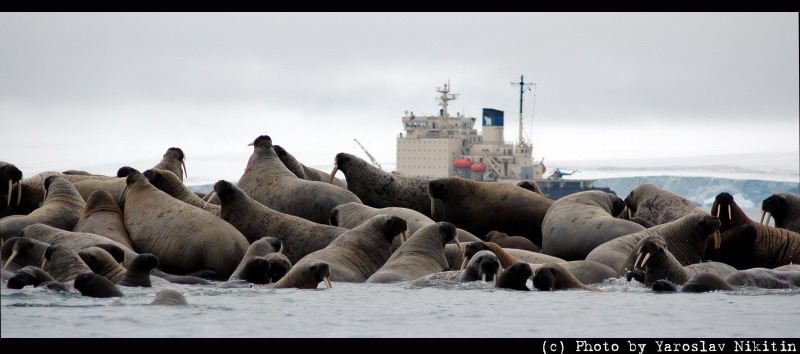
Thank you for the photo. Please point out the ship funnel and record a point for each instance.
(492, 126)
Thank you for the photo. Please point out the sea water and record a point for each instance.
(408, 309)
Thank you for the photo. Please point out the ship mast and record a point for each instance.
(446, 96)
(522, 86)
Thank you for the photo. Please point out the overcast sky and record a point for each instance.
(97, 91)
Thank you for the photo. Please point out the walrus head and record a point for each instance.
(775, 206)
(93, 285)
(26, 251)
(487, 265)
(124, 171)
(664, 286)
(545, 278)
(617, 206)
(175, 153)
(531, 186)
(515, 277)
(114, 250)
(144, 262)
(225, 190)
(96, 258)
(256, 271)
(393, 227)
(650, 246)
(12, 174)
(630, 203)
(723, 201)
(263, 141)
(708, 227)
(279, 265)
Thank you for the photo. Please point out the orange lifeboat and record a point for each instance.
(478, 167)
(462, 163)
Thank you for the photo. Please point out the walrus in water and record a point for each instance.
(421, 255)
(93, 285)
(20, 252)
(254, 220)
(63, 264)
(764, 278)
(302, 171)
(785, 208)
(481, 207)
(169, 297)
(358, 253)
(579, 222)
(657, 205)
(515, 277)
(552, 276)
(102, 216)
(305, 276)
(482, 266)
(32, 275)
(187, 240)
(62, 208)
(698, 283)
(658, 262)
(102, 263)
(269, 182)
(263, 263)
(380, 189)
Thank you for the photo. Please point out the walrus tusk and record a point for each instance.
(496, 274)
(629, 214)
(433, 206)
(646, 257)
(638, 258)
(717, 240)
(205, 206)
(184, 169)
(405, 235)
(762, 217)
(769, 216)
(328, 282)
(44, 261)
(483, 277)
(458, 244)
(10, 259)
(333, 173)
(729, 212)
(718, 206)
(464, 263)
(8, 203)
(19, 192)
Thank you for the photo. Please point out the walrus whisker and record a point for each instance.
(19, 192)
(209, 199)
(333, 173)
(328, 282)
(464, 263)
(10, 259)
(718, 206)
(761, 221)
(729, 212)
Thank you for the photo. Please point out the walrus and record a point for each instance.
(515, 277)
(63, 264)
(747, 244)
(93, 285)
(138, 273)
(531, 186)
(686, 238)
(187, 240)
(173, 161)
(657, 205)
(577, 223)
(269, 182)
(102, 263)
(169, 297)
(254, 220)
(351, 215)
(74, 240)
(257, 249)
(263, 263)
(503, 240)
(481, 207)
(62, 208)
(698, 283)
(112, 186)
(305, 276)
(784, 208)
(482, 266)
(358, 253)
(20, 252)
(102, 216)
(9, 176)
(764, 278)
(35, 276)
(658, 262)
(380, 189)
(420, 255)
(169, 183)
(302, 171)
(553, 276)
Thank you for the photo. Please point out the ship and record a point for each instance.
(440, 146)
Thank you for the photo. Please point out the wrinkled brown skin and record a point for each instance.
(169, 183)
(64, 264)
(531, 186)
(553, 276)
(748, 244)
(269, 182)
(102, 263)
(304, 172)
(62, 209)
(93, 285)
(358, 253)
(102, 216)
(75, 241)
(258, 248)
(307, 275)
(420, 255)
(663, 265)
(659, 206)
(29, 252)
(351, 215)
(765, 278)
(380, 189)
(169, 297)
(187, 240)
(686, 238)
(503, 240)
(785, 210)
(481, 207)
(173, 161)
(112, 186)
(579, 222)
(254, 220)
